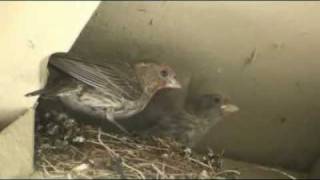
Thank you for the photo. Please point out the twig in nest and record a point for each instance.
(80, 167)
(51, 165)
(163, 168)
(85, 156)
(116, 138)
(199, 162)
(162, 174)
(227, 171)
(111, 152)
(137, 158)
(146, 162)
(134, 169)
(131, 144)
(161, 141)
(278, 171)
(45, 170)
(115, 157)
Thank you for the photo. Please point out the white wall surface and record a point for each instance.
(31, 31)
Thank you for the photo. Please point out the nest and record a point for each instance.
(69, 149)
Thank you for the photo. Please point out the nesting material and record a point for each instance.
(70, 149)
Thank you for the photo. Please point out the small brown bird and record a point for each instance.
(209, 105)
(189, 125)
(115, 90)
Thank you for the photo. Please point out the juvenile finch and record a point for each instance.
(189, 125)
(114, 90)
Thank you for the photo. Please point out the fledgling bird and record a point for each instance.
(111, 89)
(211, 105)
(189, 125)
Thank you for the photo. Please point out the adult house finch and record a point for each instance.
(113, 90)
(189, 125)
(163, 103)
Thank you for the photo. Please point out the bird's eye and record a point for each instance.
(217, 100)
(164, 73)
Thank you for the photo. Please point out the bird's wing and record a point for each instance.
(116, 79)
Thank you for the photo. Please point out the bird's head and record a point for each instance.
(213, 102)
(156, 76)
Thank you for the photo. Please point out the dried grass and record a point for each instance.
(104, 155)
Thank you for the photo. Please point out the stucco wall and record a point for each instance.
(276, 90)
(31, 31)
(16, 142)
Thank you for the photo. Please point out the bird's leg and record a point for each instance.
(110, 118)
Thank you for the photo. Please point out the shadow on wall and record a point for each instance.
(11, 114)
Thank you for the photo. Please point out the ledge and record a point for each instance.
(16, 142)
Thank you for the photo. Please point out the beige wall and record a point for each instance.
(277, 91)
(315, 170)
(30, 31)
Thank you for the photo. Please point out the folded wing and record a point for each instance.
(115, 78)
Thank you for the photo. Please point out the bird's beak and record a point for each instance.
(174, 83)
(229, 108)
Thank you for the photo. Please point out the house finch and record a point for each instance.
(163, 103)
(112, 89)
(192, 123)
(211, 105)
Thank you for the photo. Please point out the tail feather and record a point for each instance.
(34, 93)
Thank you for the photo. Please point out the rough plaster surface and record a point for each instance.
(30, 32)
(276, 90)
(315, 170)
(16, 147)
